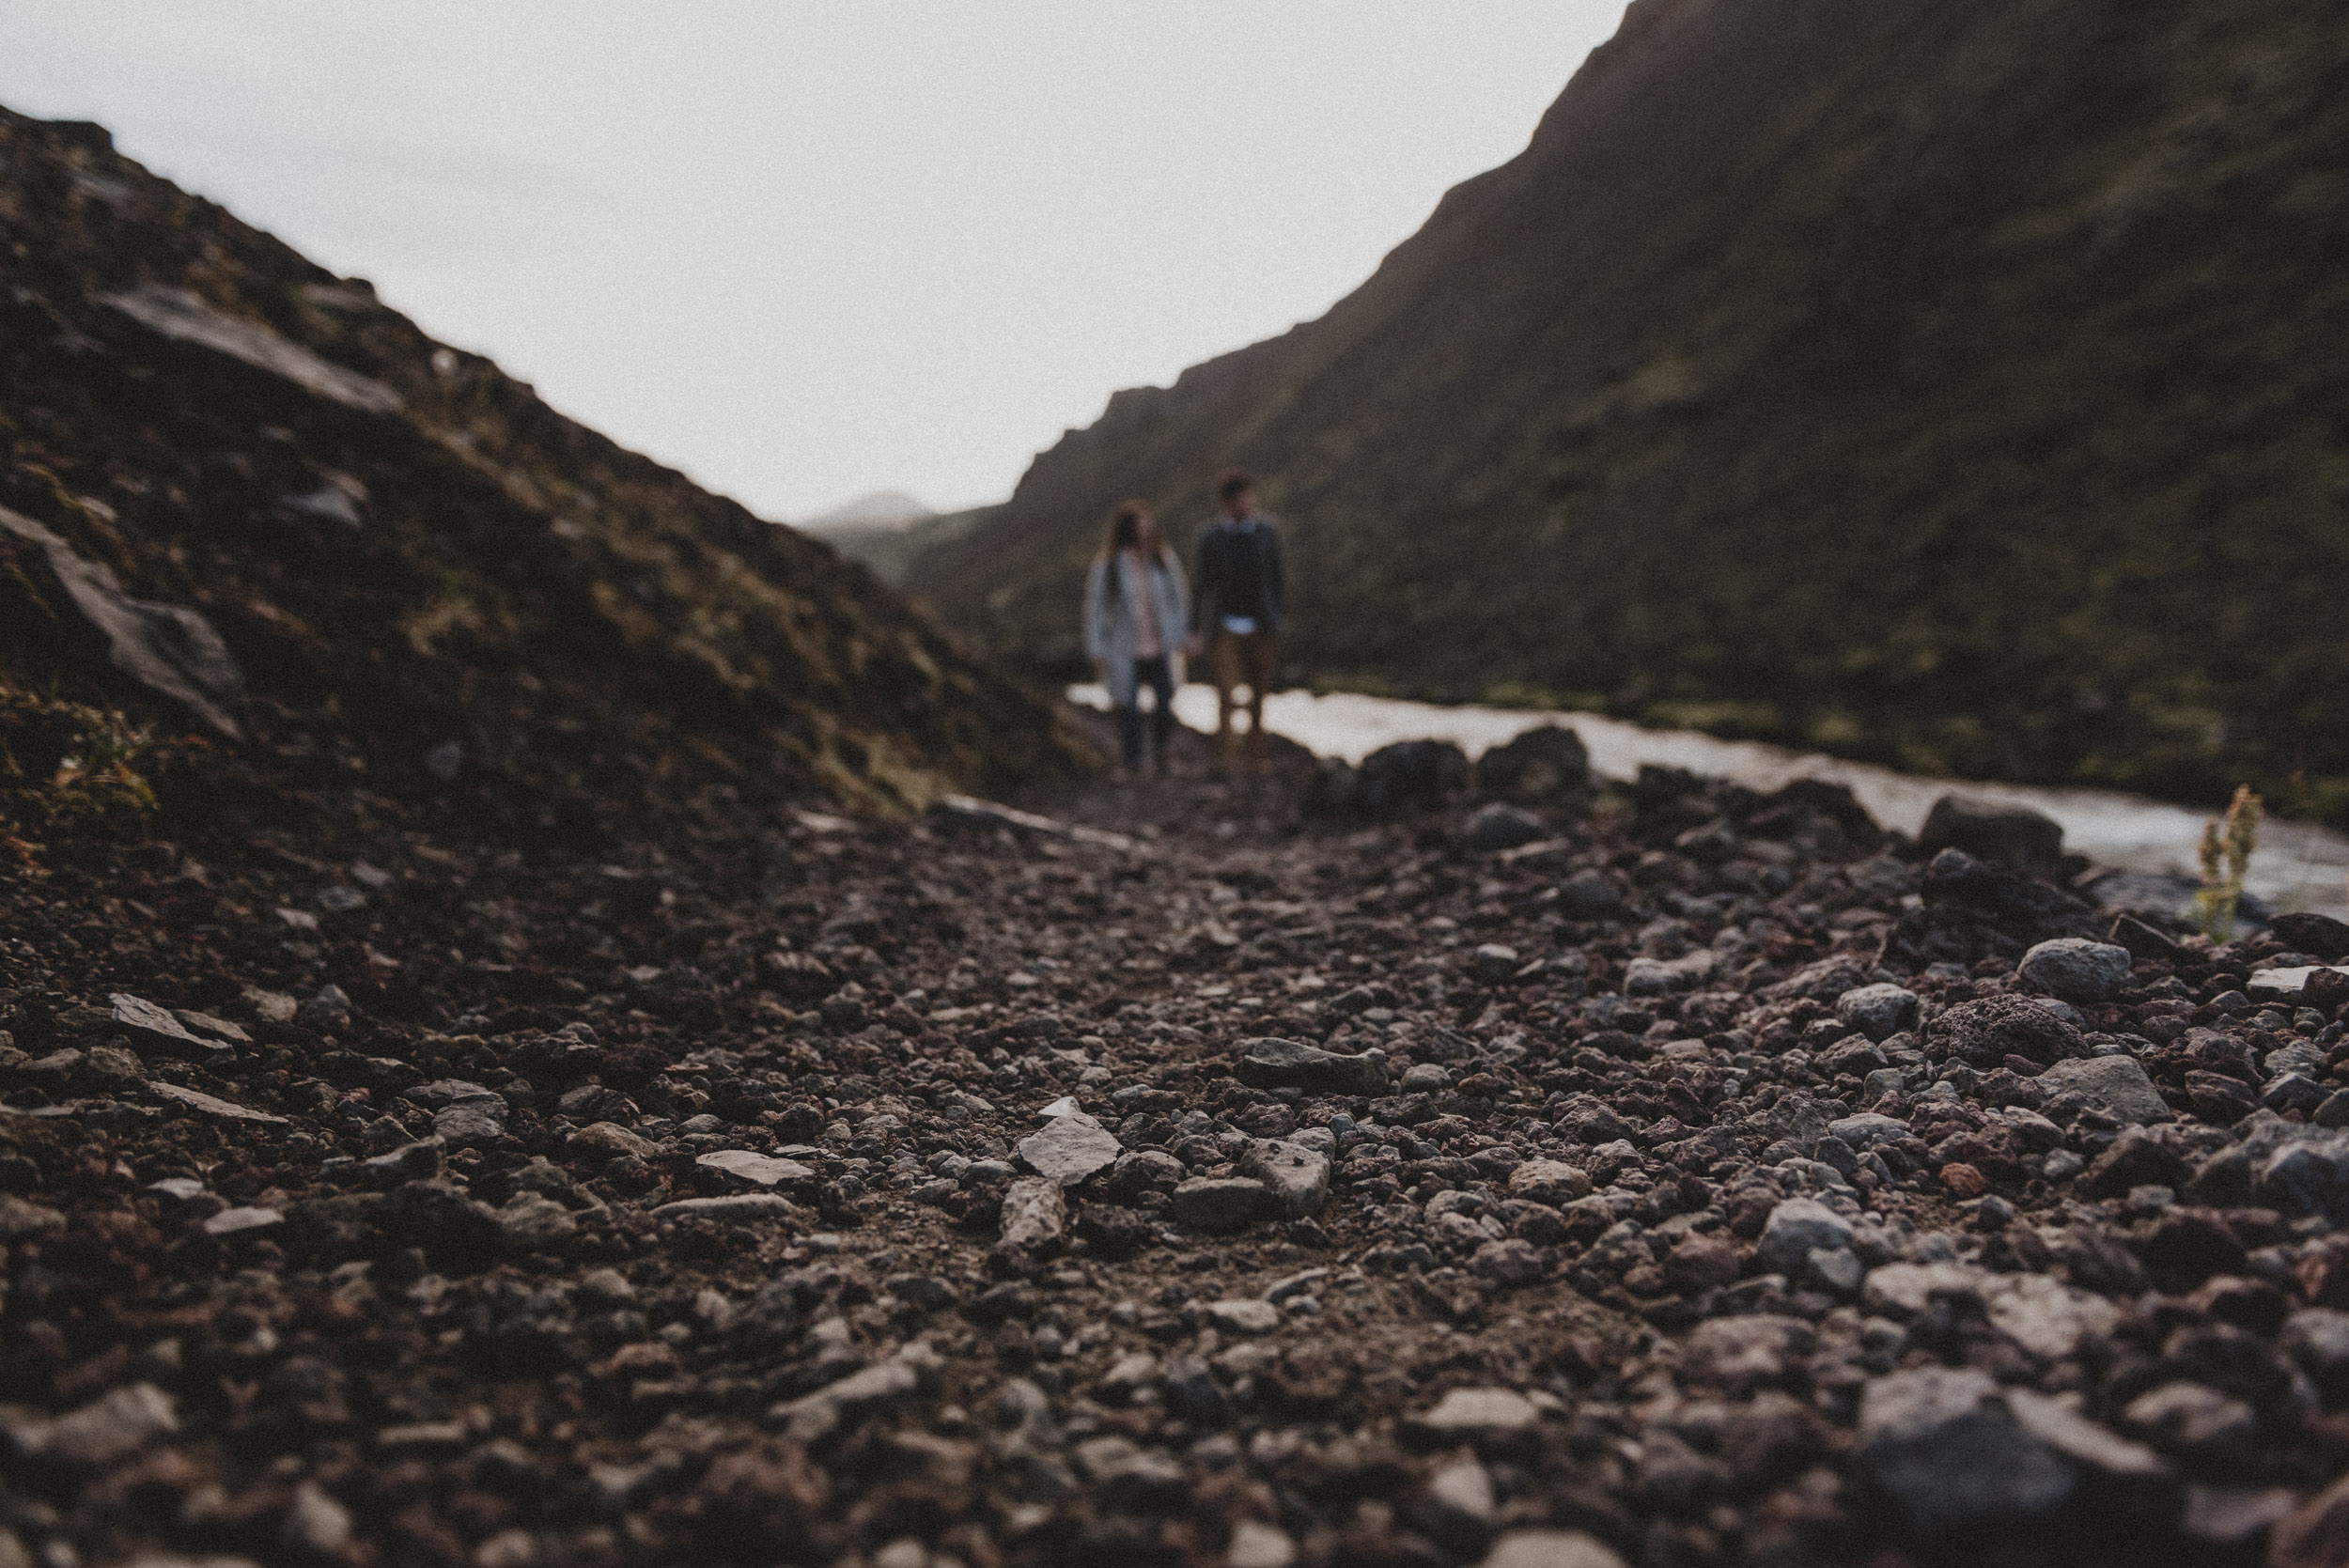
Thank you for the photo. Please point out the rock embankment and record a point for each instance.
(1226, 1186)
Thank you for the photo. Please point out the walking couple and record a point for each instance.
(1136, 607)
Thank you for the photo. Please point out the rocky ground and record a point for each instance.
(1673, 1175)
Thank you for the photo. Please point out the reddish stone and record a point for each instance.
(1964, 1180)
(1703, 1263)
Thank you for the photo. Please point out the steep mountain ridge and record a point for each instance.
(1946, 384)
(420, 578)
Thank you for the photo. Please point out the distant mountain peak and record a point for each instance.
(881, 509)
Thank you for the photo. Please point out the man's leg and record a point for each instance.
(1223, 658)
(1264, 663)
(1129, 732)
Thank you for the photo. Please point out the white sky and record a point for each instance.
(804, 251)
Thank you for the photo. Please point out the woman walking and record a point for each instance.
(1136, 608)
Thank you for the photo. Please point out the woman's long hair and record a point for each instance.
(1125, 534)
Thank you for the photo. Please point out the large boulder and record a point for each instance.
(1410, 773)
(1962, 889)
(1986, 1032)
(1541, 767)
(2015, 837)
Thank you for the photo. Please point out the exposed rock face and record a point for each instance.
(242, 495)
(1573, 438)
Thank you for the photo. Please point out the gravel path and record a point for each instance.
(1697, 1180)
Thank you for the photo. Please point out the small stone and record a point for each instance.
(1945, 1447)
(157, 1029)
(211, 1106)
(1795, 1228)
(533, 1224)
(756, 1169)
(1738, 1354)
(1494, 963)
(608, 1141)
(1069, 1147)
(1034, 1216)
(2076, 969)
(1655, 977)
(22, 1221)
(109, 1428)
(2316, 1535)
(1551, 1181)
(472, 1125)
(1964, 1180)
(1274, 1063)
(1498, 826)
(736, 1208)
(1243, 1316)
(1223, 1203)
(314, 1525)
(1834, 1270)
(1462, 1492)
(1551, 1548)
(1878, 1011)
(2192, 1418)
(1465, 1414)
(229, 1223)
(1508, 1261)
(2120, 1082)
(1588, 896)
(2136, 1158)
(2318, 1340)
(1257, 1545)
(1295, 1174)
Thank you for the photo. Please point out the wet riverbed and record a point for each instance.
(2298, 866)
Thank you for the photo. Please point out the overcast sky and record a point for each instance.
(805, 251)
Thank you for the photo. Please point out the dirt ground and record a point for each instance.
(795, 1188)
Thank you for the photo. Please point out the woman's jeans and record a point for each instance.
(1158, 676)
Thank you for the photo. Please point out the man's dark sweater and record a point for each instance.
(1240, 576)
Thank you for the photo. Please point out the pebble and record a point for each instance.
(1469, 1413)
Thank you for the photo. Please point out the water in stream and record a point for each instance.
(2297, 867)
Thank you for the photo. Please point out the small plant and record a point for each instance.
(2228, 843)
(65, 766)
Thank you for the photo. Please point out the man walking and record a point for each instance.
(1237, 609)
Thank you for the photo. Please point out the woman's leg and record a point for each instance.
(1129, 732)
(1159, 674)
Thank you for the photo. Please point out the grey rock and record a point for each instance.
(2191, 1419)
(2318, 1339)
(2285, 984)
(180, 316)
(1795, 1228)
(1035, 1215)
(2080, 1440)
(1551, 1548)
(210, 1105)
(21, 1219)
(1866, 1130)
(1466, 1414)
(2016, 837)
(1223, 1203)
(240, 1221)
(1589, 895)
(2120, 1082)
(2043, 1315)
(1243, 1315)
(532, 1223)
(152, 1028)
(1067, 1149)
(1275, 1064)
(2293, 1092)
(1498, 826)
(1834, 1270)
(2302, 1171)
(472, 1125)
(1902, 1290)
(1652, 977)
(109, 1428)
(1143, 1168)
(1544, 764)
(1131, 1479)
(2076, 969)
(1298, 1176)
(1942, 1444)
(1878, 1011)
(1550, 1181)
(815, 1416)
(733, 1208)
(1495, 964)
(755, 1169)
(1257, 1545)
(314, 1525)
(1461, 1494)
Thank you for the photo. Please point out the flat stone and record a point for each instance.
(1866, 1130)
(1655, 977)
(532, 1223)
(2285, 984)
(1906, 1289)
(1221, 1204)
(1070, 1147)
(229, 1222)
(1243, 1316)
(469, 1125)
(1941, 1443)
(156, 1029)
(1551, 1548)
(734, 1208)
(1295, 1174)
(1795, 1229)
(22, 1221)
(1274, 1063)
(206, 1025)
(1257, 1545)
(885, 1383)
(1550, 1181)
(610, 1140)
(1468, 1413)
(2043, 1315)
(2120, 1082)
(1035, 1214)
(109, 1428)
(207, 1105)
(758, 1169)
(1494, 963)
(2081, 1440)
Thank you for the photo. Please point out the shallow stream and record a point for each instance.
(2297, 867)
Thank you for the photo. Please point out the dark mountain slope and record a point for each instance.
(1954, 383)
(400, 547)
